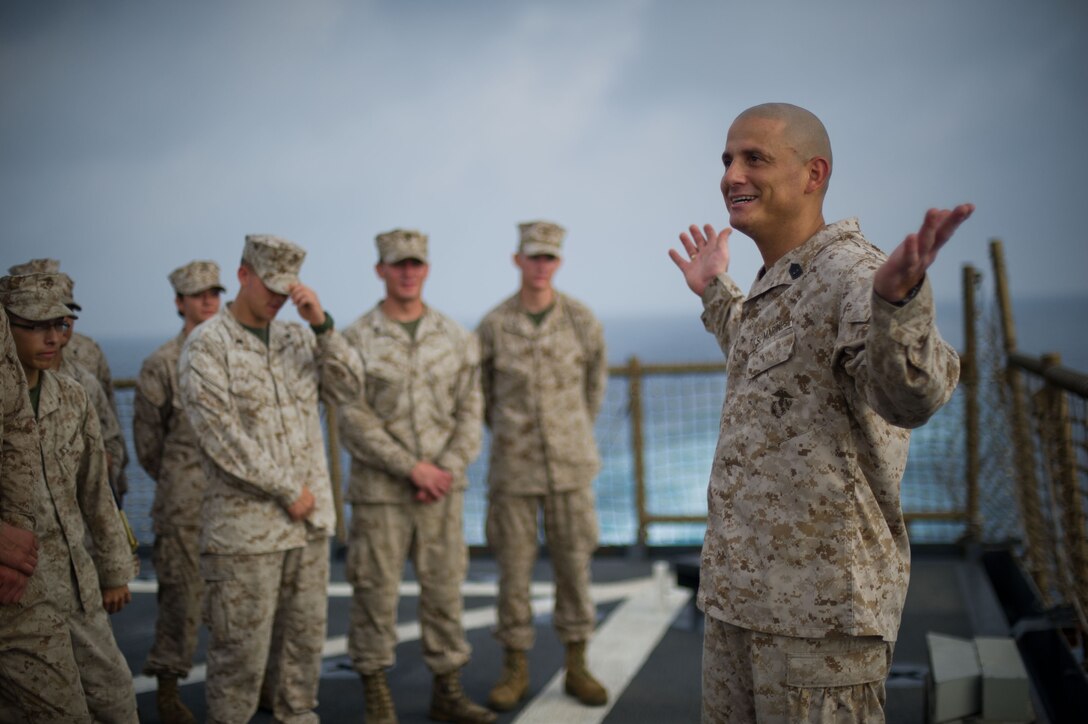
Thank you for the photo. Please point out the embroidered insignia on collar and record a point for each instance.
(796, 270)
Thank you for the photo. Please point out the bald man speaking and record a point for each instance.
(832, 357)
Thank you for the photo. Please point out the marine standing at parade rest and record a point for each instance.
(831, 357)
(166, 447)
(411, 432)
(543, 372)
(250, 385)
(86, 555)
(39, 680)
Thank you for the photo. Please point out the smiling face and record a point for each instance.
(764, 178)
(777, 164)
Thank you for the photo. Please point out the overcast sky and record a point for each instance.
(136, 136)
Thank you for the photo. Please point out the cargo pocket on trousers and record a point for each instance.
(839, 686)
(220, 589)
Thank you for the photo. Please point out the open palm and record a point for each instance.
(708, 255)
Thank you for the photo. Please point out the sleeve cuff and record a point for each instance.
(325, 326)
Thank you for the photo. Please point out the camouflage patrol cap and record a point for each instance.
(276, 261)
(35, 266)
(48, 266)
(196, 277)
(400, 244)
(540, 237)
(37, 297)
(69, 287)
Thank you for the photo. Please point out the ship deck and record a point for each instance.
(647, 649)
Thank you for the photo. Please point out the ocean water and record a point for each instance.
(680, 424)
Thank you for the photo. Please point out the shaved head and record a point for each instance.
(803, 131)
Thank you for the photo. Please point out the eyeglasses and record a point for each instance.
(58, 325)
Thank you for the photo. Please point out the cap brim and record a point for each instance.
(37, 312)
(394, 258)
(280, 283)
(200, 290)
(533, 248)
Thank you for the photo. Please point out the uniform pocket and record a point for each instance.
(220, 590)
(772, 353)
(834, 670)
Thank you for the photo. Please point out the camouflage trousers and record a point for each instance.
(570, 529)
(750, 676)
(103, 671)
(176, 557)
(39, 679)
(383, 536)
(247, 598)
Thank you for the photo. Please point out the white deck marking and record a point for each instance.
(653, 600)
(618, 650)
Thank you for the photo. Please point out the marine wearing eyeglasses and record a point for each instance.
(88, 579)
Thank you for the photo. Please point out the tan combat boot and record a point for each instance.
(168, 701)
(513, 682)
(449, 703)
(379, 700)
(580, 683)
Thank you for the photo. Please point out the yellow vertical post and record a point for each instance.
(1023, 450)
(970, 382)
(1063, 462)
(634, 396)
(335, 472)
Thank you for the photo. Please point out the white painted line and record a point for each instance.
(472, 618)
(615, 654)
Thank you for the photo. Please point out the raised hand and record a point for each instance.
(309, 306)
(907, 265)
(708, 255)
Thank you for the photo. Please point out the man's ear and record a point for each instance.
(819, 171)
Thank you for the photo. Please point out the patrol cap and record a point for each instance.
(195, 277)
(68, 287)
(35, 266)
(400, 244)
(540, 237)
(276, 261)
(36, 297)
(47, 266)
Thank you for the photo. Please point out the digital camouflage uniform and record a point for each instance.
(421, 402)
(112, 436)
(166, 447)
(254, 409)
(806, 537)
(82, 349)
(39, 680)
(77, 480)
(543, 387)
(84, 352)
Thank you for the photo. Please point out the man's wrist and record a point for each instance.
(325, 325)
(910, 294)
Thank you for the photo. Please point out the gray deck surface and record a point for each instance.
(947, 594)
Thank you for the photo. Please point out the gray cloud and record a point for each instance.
(137, 136)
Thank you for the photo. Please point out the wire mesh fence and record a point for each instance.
(672, 444)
